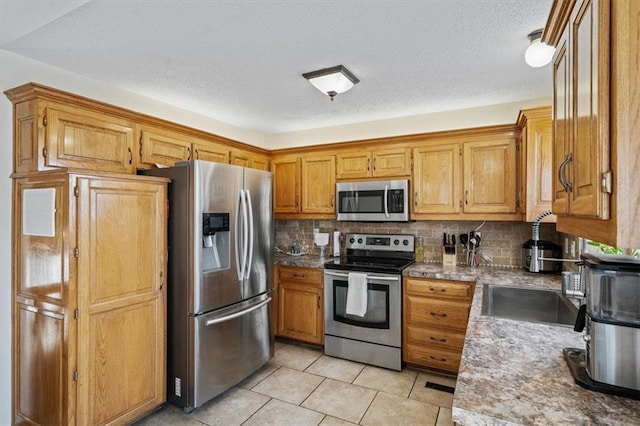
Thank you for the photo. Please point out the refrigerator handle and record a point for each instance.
(247, 196)
(236, 239)
(237, 314)
(245, 233)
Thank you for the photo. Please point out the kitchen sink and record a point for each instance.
(528, 304)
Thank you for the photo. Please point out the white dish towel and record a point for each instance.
(357, 294)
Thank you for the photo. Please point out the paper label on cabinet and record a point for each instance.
(39, 212)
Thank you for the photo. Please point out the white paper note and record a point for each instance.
(39, 212)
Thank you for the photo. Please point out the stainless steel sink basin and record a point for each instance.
(528, 304)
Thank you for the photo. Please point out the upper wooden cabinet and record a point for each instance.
(536, 163)
(377, 163)
(596, 119)
(55, 129)
(49, 134)
(166, 147)
(304, 186)
(470, 178)
(89, 298)
(249, 159)
(581, 112)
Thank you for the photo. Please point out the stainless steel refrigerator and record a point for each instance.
(220, 278)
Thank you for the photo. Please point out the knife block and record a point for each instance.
(449, 259)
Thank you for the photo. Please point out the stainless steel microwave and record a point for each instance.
(377, 201)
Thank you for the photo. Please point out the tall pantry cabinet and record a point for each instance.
(89, 297)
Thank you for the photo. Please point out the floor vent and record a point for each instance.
(439, 387)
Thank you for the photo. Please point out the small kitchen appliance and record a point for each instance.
(611, 320)
(373, 268)
(373, 201)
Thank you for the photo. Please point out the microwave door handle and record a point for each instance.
(386, 205)
(247, 196)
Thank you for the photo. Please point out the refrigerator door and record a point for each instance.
(230, 344)
(259, 268)
(217, 188)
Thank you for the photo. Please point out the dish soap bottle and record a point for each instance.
(420, 251)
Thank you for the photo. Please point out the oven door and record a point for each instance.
(382, 321)
(373, 201)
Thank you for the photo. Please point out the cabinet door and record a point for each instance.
(240, 158)
(300, 312)
(121, 299)
(318, 184)
(539, 167)
(163, 147)
(210, 152)
(286, 185)
(436, 179)
(260, 162)
(490, 176)
(84, 139)
(392, 162)
(353, 165)
(561, 123)
(590, 139)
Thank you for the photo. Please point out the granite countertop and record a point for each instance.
(513, 372)
(304, 261)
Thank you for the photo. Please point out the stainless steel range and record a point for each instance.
(363, 299)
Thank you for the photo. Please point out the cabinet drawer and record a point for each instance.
(440, 288)
(423, 311)
(300, 275)
(425, 336)
(441, 359)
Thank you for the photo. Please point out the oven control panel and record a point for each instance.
(399, 242)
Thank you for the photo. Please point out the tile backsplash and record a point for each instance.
(502, 241)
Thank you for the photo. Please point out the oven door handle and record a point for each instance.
(369, 277)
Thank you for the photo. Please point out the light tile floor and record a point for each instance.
(302, 386)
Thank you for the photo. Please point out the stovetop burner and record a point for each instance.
(376, 253)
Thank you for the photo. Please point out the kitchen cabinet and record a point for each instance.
(469, 177)
(393, 162)
(166, 147)
(581, 109)
(596, 119)
(50, 134)
(89, 290)
(435, 316)
(300, 304)
(536, 159)
(248, 159)
(304, 186)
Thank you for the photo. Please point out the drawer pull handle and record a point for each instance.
(299, 275)
(435, 314)
(438, 359)
(437, 340)
(442, 290)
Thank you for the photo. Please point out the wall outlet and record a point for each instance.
(316, 230)
(566, 245)
(573, 249)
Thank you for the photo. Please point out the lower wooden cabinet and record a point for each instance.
(435, 316)
(300, 304)
(89, 289)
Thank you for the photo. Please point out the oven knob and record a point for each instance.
(396, 242)
(359, 240)
(352, 240)
(405, 242)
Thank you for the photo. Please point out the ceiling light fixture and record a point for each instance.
(538, 54)
(332, 81)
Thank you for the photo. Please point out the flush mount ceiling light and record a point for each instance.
(538, 54)
(332, 81)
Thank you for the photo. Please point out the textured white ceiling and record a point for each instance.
(241, 62)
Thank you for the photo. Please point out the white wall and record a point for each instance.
(16, 70)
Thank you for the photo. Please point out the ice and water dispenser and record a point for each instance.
(215, 241)
(610, 319)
